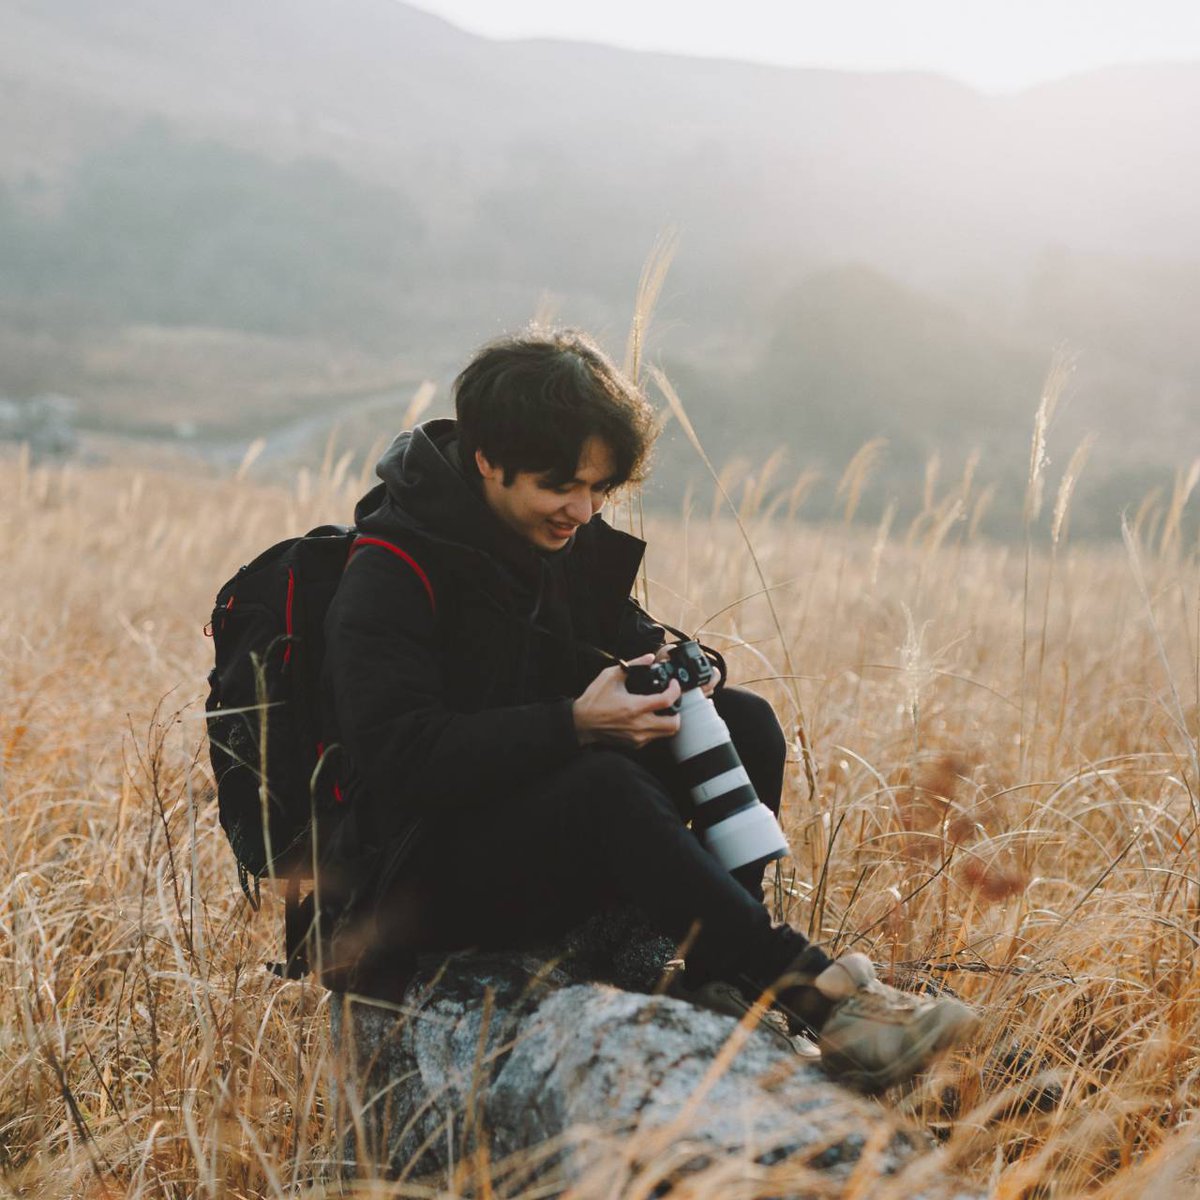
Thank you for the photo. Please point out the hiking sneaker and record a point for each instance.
(724, 998)
(875, 1036)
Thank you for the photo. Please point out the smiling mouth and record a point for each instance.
(562, 530)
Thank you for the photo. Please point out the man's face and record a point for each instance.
(544, 514)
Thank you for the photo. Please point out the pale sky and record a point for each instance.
(995, 45)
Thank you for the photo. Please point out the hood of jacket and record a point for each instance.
(425, 495)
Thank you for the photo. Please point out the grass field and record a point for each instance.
(1002, 790)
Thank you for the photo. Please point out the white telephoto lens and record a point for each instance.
(752, 835)
(735, 825)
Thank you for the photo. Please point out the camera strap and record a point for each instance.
(715, 656)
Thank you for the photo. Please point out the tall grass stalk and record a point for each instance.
(850, 488)
(1052, 390)
(1171, 539)
(1180, 721)
(1058, 530)
(650, 285)
(801, 725)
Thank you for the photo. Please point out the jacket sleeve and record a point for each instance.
(386, 676)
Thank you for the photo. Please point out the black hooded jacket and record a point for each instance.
(460, 692)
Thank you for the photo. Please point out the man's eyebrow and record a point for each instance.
(550, 479)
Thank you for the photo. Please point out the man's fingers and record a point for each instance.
(617, 671)
(657, 700)
(664, 727)
(647, 711)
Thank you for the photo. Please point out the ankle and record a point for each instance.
(805, 1007)
(800, 995)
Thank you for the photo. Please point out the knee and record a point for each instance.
(619, 787)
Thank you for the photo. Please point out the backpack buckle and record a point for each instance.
(298, 924)
(254, 899)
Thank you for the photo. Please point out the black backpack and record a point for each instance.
(272, 769)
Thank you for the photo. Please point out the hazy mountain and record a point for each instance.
(861, 253)
(909, 170)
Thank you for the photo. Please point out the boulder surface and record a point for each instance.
(506, 1060)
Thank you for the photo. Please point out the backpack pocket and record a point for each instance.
(257, 763)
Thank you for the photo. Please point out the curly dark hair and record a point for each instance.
(531, 400)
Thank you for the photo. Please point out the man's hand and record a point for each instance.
(607, 713)
(663, 654)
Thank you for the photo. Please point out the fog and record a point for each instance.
(218, 221)
(990, 46)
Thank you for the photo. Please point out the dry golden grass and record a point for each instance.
(1028, 834)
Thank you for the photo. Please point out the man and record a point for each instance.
(503, 783)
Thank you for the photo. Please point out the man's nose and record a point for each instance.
(580, 510)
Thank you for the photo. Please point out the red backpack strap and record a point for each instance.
(402, 554)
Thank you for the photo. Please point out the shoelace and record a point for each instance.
(876, 1001)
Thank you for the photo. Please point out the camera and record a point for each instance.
(734, 825)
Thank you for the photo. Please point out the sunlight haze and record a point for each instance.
(225, 224)
(993, 47)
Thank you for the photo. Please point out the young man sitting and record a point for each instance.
(503, 784)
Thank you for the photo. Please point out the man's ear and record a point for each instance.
(485, 468)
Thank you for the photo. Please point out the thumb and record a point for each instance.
(642, 660)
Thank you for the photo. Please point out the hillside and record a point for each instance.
(370, 184)
(835, 159)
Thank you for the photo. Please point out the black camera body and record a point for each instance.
(686, 662)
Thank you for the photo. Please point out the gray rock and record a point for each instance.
(585, 1084)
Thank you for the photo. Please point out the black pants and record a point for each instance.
(520, 869)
